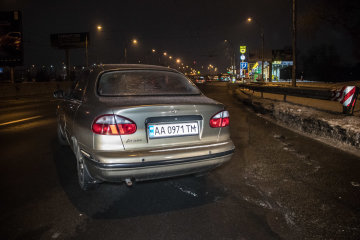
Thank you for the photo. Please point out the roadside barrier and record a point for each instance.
(346, 96)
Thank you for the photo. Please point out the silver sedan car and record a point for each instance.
(141, 122)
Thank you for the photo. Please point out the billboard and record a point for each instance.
(69, 40)
(11, 40)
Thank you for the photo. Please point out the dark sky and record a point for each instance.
(191, 30)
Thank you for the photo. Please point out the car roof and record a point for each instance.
(107, 67)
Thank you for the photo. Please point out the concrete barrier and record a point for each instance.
(31, 88)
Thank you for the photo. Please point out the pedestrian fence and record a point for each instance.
(347, 95)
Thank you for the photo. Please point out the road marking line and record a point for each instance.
(20, 120)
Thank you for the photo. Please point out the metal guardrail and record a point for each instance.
(305, 92)
(323, 94)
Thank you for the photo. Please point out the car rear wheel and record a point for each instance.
(61, 136)
(86, 182)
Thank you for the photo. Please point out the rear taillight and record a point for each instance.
(113, 125)
(220, 119)
(125, 125)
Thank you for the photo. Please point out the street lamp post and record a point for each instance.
(250, 19)
(262, 55)
(99, 29)
(154, 56)
(125, 55)
(87, 50)
(134, 42)
(232, 56)
(293, 72)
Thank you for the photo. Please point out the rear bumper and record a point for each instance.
(146, 170)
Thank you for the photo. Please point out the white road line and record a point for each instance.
(20, 120)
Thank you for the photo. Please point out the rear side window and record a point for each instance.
(144, 83)
(78, 91)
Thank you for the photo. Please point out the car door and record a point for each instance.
(72, 104)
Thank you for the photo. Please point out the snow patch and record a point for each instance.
(324, 125)
(187, 191)
(55, 235)
(355, 184)
(260, 203)
(290, 218)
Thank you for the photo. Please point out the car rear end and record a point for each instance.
(145, 131)
(200, 80)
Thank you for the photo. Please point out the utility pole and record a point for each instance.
(86, 51)
(262, 54)
(67, 62)
(125, 55)
(234, 64)
(12, 75)
(294, 43)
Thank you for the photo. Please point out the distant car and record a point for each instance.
(200, 80)
(212, 78)
(11, 41)
(225, 78)
(141, 122)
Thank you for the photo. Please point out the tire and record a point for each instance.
(86, 182)
(60, 136)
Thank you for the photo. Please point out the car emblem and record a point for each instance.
(174, 111)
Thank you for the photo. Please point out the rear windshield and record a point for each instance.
(145, 83)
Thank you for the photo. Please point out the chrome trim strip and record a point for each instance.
(157, 163)
(192, 147)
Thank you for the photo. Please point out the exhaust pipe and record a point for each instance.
(128, 182)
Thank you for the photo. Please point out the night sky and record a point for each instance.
(190, 30)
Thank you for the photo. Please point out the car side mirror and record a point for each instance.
(59, 94)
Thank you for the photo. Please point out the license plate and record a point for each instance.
(173, 130)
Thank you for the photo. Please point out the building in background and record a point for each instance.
(277, 65)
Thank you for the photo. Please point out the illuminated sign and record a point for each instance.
(277, 62)
(242, 49)
(11, 41)
(244, 65)
(256, 65)
(242, 57)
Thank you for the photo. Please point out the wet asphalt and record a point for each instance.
(279, 185)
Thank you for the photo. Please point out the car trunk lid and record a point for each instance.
(168, 125)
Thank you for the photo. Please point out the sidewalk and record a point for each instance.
(322, 120)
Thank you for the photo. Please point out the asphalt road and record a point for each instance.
(279, 185)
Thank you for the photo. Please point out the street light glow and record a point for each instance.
(249, 19)
(153, 50)
(165, 53)
(99, 27)
(170, 57)
(178, 60)
(134, 41)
